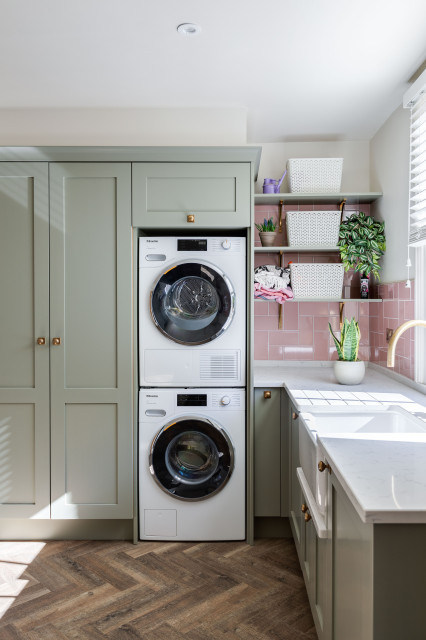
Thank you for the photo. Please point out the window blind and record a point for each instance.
(417, 185)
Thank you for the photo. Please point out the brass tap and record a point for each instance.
(396, 335)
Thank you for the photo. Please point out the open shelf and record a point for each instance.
(304, 249)
(313, 198)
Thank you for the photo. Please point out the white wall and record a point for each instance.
(389, 162)
(355, 154)
(123, 127)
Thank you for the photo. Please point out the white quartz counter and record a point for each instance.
(385, 479)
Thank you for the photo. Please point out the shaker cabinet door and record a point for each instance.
(191, 195)
(24, 325)
(91, 394)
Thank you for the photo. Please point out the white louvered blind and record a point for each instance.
(417, 187)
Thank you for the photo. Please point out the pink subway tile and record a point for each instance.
(291, 316)
(408, 310)
(298, 353)
(261, 308)
(390, 309)
(283, 337)
(403, 291)
(261, 345)
(321, 345)
(320, 323)
(276, 352)
(265, 323)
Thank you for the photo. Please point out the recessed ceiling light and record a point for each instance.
(189, 29)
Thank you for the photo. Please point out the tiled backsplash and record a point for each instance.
(305, 334)
(396, 308)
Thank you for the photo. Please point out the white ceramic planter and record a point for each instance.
(267, 238)
(349, 372)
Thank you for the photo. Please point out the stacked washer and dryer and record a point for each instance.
(192, 417)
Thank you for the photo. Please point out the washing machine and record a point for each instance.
(192, 464)
(192, 311)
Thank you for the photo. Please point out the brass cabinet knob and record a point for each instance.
(322, 466)
(56, 341)
(267, 395)
(294, 415)
(41, 341)
(304, 508)
(307, 516)
(190, 218)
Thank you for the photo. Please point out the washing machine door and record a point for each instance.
(191, 458)
(192, 303)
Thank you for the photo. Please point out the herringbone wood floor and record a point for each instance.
(156, 591)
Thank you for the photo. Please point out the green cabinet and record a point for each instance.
(191, 195)
(378, 575)
(24, 317)
(91, 314)
(66, 360)
(295, 493)
(267, 452)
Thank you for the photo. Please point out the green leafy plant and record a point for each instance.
(348, 345)
(267, 225)
(362, 243)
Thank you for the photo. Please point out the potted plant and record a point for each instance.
(362, 243)
(348, 369)
(267, 232)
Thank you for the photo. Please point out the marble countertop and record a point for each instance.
(385, 478)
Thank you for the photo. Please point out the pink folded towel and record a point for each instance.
(278, 295)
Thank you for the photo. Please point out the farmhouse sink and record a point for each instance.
(386, 422)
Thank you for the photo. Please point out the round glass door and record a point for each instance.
(192, 303)
(191, 458)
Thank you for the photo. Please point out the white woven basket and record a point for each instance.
(316, 280)
(315, 175)
(313, 228)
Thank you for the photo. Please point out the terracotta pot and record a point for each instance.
(267, 238)
(347, 372)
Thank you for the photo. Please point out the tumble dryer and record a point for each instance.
(192, 464)
(192, 311)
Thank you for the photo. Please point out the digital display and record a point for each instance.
(192, 400)
(188, 244)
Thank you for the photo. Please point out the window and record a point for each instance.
(415, 99)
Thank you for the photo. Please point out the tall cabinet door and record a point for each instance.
(24, 318)
(91, 340)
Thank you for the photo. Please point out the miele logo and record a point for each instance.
(149, 396)
(153, 241)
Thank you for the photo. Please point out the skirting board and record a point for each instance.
(14, 529)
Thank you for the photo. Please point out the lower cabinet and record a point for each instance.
(66, 356)
(270, 455)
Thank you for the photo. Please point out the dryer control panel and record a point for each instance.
(158, 403)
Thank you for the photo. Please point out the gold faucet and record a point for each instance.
(395, 337)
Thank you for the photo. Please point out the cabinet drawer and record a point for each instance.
(215, 194)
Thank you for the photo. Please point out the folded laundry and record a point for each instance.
(272, 283)
(278, 295)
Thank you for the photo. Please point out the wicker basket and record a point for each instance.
(313, 228)
(316, 280)
(315, 175)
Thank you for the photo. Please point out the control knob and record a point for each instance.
(225, 400)
(226, 244)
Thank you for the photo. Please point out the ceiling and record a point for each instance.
(311, 70)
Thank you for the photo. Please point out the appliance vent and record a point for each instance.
(216, 244)
(218, 366)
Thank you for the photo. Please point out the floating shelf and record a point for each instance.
(324, 300)
(304, 249)
(313, 198)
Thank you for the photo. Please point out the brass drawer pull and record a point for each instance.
(56, 341)
(267, 395)
(322, 466)
(304, 508)
(307, 516)
(190, 218)
(294, 415)
(41, 341)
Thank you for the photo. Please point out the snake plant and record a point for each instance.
(348, 345)
(362, 242)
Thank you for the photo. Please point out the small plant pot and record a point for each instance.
(348, 372)
(267, 238)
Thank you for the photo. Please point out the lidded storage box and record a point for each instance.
(316, 280)
(315, 175)
(313, 228)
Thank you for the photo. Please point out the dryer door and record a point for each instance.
(192, 303)
(191, 458)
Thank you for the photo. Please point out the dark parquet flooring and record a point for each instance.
(155, 591)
